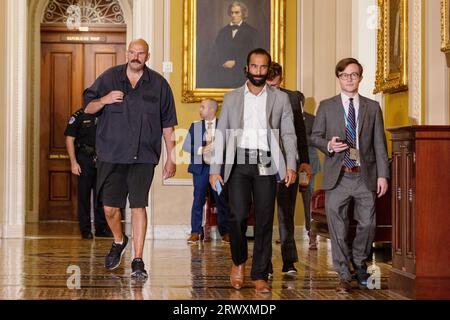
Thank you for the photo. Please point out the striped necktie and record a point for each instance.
(350, 133)
(209, 140)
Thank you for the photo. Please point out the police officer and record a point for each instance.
(80, 143)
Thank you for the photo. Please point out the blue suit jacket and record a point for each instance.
(194, 140)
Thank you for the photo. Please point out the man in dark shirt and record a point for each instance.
(80, 143)
(135, 107)
(286, 196)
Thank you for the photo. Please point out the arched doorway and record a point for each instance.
(79, 39)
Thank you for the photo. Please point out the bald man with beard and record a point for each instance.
(135, 107)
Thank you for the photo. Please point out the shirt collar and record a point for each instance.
(239, 24)
(346, 99)
(123, 73)
(213, 120)
(247, 90)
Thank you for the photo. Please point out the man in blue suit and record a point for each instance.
(199, 144)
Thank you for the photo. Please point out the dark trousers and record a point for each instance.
(246, 184)
(286, 199)
(86, 184)
(306, 196)
(201, 188)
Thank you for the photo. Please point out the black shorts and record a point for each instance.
(117, 181)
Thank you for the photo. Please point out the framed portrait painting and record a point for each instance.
(392, 55)
(445, 28)
(218, 35)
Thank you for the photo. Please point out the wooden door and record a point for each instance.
(99, 57)
(66, 70)
(61, 93)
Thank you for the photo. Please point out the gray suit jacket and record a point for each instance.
(330, 122)
(313, 155)
(281, 133)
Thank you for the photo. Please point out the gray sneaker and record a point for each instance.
(113, 258)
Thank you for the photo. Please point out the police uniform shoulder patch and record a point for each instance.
(71, 120)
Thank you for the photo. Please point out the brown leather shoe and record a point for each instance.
(261, 286)
(312, 241)
(226, 238)
(193, 238)
(344, 286)
(237, 275)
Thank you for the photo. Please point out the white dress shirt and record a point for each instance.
(254, 133)
(213, 131)
(233, 32)
(346, 103)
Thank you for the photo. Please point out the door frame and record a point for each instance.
(59, 36)
(35, 12)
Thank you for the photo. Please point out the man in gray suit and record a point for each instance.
(349, 130)
(256, 122)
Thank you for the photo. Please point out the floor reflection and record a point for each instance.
(42, 267)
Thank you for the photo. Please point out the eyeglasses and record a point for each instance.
(346, 76)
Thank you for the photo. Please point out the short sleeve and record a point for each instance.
(93, 92)
(73, 125)
(168, 111)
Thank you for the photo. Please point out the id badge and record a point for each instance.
(263, 170)
(354, 154)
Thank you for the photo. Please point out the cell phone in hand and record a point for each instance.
(340, 140)
(218, 186)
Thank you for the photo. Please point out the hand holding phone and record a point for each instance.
(338, 144)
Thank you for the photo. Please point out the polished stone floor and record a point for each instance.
(52, 262)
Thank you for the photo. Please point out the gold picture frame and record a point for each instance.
(445, 28)
(392, 55)
(199, 36)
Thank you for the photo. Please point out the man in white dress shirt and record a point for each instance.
(254, 121)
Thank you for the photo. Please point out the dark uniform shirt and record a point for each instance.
(82, 127)
(130, 131)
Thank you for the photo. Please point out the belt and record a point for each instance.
(88, 150)
(253, 153)
(351, 170)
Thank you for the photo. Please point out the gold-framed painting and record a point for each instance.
(445, 26)
(392, 53)
(217, 36)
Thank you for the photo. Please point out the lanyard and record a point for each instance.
(346, 122)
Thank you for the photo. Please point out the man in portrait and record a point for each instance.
(233, 42)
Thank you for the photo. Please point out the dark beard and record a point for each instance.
(255, 82)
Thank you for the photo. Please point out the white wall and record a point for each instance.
(12, 207)
(364, 40)
(2, 103)
(325, 28)
(436, 71)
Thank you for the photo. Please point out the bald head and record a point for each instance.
(211, 103)
(208, 109)
(139, 42)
